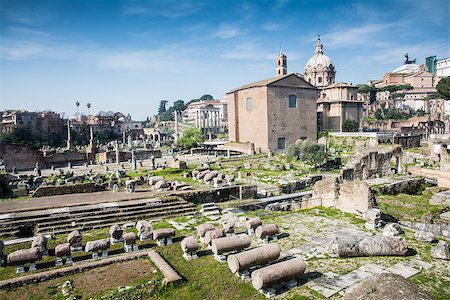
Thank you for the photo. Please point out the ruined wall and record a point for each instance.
(220, 194)
(354, 197)
(22, 157)
(126, 155)
(442, 177)
(43, 191)
(246, 148)
(300, 184)
(62, 158)
(368, 162)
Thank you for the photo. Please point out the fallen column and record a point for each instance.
(267, 232)
(243, 261)
(170, 276)
(229, 243)
(154, 179)
(130, 242)
(189, 245)
(285, 271)
(75, 240)
(252, 224)
(21, 257)
(115, 233)
(145, 230)
(361, 245)
(203, 228)
(213, 234)
(62, 250)
(163, 236)
(40, 242)
(96, 246)
(228, 228)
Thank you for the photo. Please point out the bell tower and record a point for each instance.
(281, 64)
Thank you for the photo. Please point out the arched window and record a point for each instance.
(249, 103)
(292, 101)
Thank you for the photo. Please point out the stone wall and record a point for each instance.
(367, 162)
(439, 230)
(442, 177)
(221, 194)
(61, 159)
(410, 186)
(126, 155)
(245, 148)
(300, 184)
(354, 197)
(21, 157)
(43, 191)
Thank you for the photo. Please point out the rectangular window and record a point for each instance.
(319, 79)
(281, 143)
(292, 101)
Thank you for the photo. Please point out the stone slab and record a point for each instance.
(417, 263)
(402, 270)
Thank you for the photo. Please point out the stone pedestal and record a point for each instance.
(104, 253)
(190, 255)
(32, 267)
(20, 269)
(220, 258)
(58, 261)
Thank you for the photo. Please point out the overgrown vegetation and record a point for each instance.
(192, 137)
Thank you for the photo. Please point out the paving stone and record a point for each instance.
(420, 264)
(402, 270)
(372, 268)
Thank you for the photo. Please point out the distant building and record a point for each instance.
(273, 113)
(338, 103)
(42, 122)
(443, 67)
(210, 116)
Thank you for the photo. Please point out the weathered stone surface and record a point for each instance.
(210, 175)
(424, 236)
(245, 260)
(145, 230)
(392, 229)
(62, 250)
(267, 230)
(115, 231)
(129, 238)
(441, 250)
(410, 186)
(228, 227)
(162, 184)
(203, 228)
(39, 242)
(442, 198)
(23, 256)
(230, 243)
(152, 180)
(327, 189)
(189, 244)
(163, 233)
(75, 239)
(213, 234)
(97, 245)
(170, 275)
(355, 197)
(2, 245)
(253, 223)
(385, 286)
(277, 273)
(361, 245)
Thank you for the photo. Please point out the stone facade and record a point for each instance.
(273, 113)
(319, 70)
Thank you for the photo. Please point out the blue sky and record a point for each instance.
(128, 55)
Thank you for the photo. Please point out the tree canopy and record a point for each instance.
(443, 88)
(350, 126)
(307, 151)
(191, 138)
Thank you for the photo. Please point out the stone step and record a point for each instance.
(115, 216)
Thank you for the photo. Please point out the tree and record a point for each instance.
(77, 104)
(307, 151)
(191, 138)
(206, 97)
(443, 88)
(89, 108)
(420, 112)
(350, 126)
(162, 106)
(178, 105)
(369, 90)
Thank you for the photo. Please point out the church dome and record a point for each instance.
(318, 59)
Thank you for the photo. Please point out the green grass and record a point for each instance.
(409, 207)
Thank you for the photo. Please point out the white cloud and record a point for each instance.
(271, 26)
(228, 31)
(164, 8)
(354, 36)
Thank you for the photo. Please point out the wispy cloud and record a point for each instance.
(164, 8)
(354, 36)
(228, 31)
(25, 14)
(272, 26)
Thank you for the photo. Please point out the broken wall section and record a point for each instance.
(354, 197)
